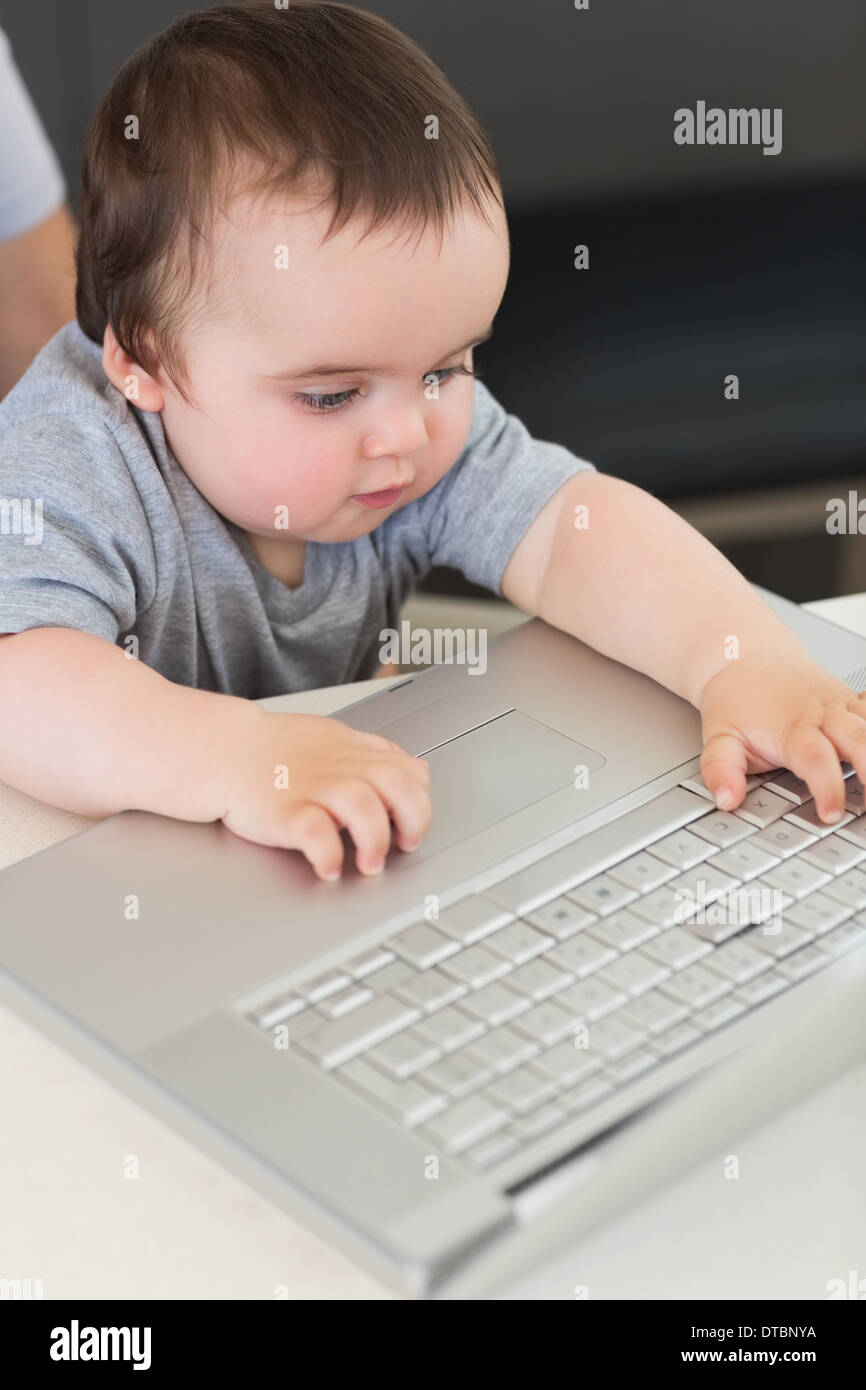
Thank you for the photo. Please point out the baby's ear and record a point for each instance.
(131, 380)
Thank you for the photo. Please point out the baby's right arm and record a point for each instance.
(89, 729)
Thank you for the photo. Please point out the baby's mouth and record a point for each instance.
(378, 499)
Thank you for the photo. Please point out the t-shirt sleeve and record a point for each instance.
(76, 549)
(31, 182)
(481, 509)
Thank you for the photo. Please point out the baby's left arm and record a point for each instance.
(610, 564)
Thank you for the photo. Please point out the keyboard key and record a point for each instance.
(834, 854)
(745, 860)
(368, 961)
(546, 1023)
(309, 1020)
(521, 1090)
(696, 987)
(721, 829)
(676, 948)
(519, 942)
(761, 988)
(663, 906)
(423, 946)
(697, 784)
(818, 913)
(683, 850)
(561, 918)
(588, 1093)
(797, 878)
(344, 1038)
(538, 979)
(703, 884)
(597, 850)
(407, 1101)
(716, 924)
(778, 944)
(630, 1067)
(854, 796)
(636, 971)
(405, 1053)
(855, 832)
(653, 1012)
(738, 961)
(790, 786)
(682, 1036)
(494, 1004)
(591, 999)
(472, 918)
(345, 1000)
(849, 888)
(321, 985)
(390, 976)
(754, 903)
(602, 894)
(612, 1037)
(581, 955)
(493, 1150)
(842, 939)
(278, 1010)
(566, 1064)
(623, 930)
(466, 1123)
(502, 1049)
(642, 872)
(783, 839)
(475, 966)
(450, 1028)
(806, 816)
(456, 1075)
(430, 990)
(538, 1123)
(802, 963)
(761, 807)
(718, 1014)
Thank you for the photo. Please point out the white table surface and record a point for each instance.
(186, 1228)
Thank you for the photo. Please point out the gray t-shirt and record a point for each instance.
(102, 531)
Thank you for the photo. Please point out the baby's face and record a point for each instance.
(270, 432)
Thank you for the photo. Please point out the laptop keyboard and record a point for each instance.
(521, 1007)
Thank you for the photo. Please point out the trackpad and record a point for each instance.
(491, 773)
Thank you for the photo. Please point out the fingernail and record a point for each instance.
(331, 877)
(832, 817)
(375, 868)
(724, 798)
(414, 845)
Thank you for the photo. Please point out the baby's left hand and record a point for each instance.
(781, 710)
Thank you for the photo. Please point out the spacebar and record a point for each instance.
(372, 1023)
(596, 851)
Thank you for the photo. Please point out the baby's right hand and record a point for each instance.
(337, 777)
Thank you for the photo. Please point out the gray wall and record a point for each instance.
(577, 102)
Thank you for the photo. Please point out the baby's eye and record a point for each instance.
(336, 400)
(330, 402)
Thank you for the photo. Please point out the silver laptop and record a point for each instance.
(586, 979)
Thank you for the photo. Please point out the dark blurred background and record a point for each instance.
(704, 261)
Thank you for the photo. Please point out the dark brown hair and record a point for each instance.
(264, 100)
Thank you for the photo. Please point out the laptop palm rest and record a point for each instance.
(491, 772)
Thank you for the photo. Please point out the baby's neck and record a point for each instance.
(283, 559)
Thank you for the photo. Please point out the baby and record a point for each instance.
(263, 428)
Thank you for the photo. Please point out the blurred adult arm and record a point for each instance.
(37, 233)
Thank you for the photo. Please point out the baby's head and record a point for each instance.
(292, 234)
